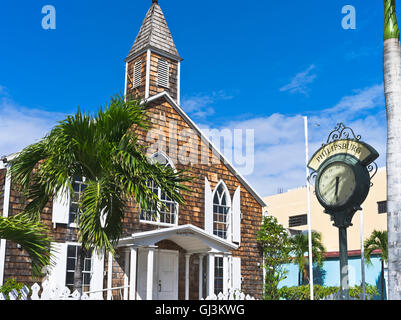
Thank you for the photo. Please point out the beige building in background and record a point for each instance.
(290, 209)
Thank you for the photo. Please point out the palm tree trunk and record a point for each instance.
(392, 91)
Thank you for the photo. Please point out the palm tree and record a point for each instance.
(392, 91)
(104, 149)
(377, 241)
(299, 247)
(31, 235)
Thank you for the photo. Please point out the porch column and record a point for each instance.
(149, 274)
(126, 271)
(225, 274)
(187, 256)
(201, 276)
(210, 286)
(132, 275)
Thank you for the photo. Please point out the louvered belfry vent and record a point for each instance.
(163, 73)
(137, 73)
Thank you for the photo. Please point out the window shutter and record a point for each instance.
(236, 216)
(97, 275)
(208, 207)
(236, 271)
(57, 272)
(163, 73)
(137, 73)
(61, 207)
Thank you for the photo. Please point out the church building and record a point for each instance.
(208, 245)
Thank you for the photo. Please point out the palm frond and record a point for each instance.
(31, 235)
(376, 241)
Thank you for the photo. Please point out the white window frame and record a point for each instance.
(72, 223)
(228, 214)
(85, 287)
(220, 257)
(159, 194)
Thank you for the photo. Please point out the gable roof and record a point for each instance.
(206, 140)
(154, 34)
(188, 236)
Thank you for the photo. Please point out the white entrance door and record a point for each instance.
(165, 275)
(167, 282)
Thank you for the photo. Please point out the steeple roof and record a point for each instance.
(154, 34)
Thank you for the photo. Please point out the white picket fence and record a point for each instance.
(230, 295)
(48, 293)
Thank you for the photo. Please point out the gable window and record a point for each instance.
(72, 256)
(169, 211)
(382, 207)
(79, 186)
(296, 221)
(163, 73)
(221, 209)
(137, 73)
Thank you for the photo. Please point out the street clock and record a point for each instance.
(342, 170)
(342, 182)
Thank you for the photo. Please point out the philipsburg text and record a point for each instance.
(351, 147)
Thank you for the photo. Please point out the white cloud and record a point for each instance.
(299, 83)
(279, 154)
(21, 126)
(201, 105)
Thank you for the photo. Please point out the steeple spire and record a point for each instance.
(154, 34)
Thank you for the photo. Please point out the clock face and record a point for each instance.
(336, 184)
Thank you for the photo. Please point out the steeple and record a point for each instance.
(153, 63)
(154, 34)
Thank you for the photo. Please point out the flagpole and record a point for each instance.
(309, 213)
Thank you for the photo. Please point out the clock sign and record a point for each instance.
(342, 171)
(336, 184)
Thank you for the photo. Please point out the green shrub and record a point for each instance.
(9, 285)
(320, 292)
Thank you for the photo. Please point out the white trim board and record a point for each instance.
(6, 205)
(147, 238)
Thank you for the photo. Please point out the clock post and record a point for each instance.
(342, 170)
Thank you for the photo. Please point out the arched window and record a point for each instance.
(169, 212)
(221, 211)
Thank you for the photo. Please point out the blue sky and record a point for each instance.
(260, 65)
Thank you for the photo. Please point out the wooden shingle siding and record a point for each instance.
(193, 210)
(2, 186)
(17, 264)
(173, 76)
(138, 91)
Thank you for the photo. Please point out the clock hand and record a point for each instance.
(337, 181)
